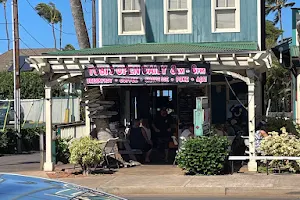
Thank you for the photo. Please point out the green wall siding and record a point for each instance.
(155, 24)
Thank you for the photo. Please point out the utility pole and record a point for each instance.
(16, 55)
(94, 21)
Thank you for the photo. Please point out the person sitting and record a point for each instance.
(188, 133)
(260, 134)
(149, 145)
(138, 138)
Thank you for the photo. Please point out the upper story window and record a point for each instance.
(225, 16)
(131, 15)
(177, 16)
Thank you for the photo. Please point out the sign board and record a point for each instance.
(148, 74)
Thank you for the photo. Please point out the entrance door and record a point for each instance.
(218, 104)
(140, 102)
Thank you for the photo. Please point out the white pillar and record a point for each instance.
(298, 97)
(48, 165)
(87, 120)
(252, 165)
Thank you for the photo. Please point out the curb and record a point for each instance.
(202, 191)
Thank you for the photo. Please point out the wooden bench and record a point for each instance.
(266, 158)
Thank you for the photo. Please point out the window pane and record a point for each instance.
(126, 4)
(132, 22)
(230, 3)
(221, 3)
(136, 5)
(183, 3)
(173, 4)
(225, 18)
(178, 20)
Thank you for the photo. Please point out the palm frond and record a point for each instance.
(287, 5)
(276, 19)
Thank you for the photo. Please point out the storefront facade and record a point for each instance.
(190, 48)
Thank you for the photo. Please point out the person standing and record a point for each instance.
(149, 144)
(162, 127)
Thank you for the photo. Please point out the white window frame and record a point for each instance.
(120, 18)
(237, 9)
(189, 18)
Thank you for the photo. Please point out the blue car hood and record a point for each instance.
(24, 188)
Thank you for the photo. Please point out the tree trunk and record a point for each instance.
(54, 37)
(6, 26)
(79, 23)
(60, 36)
(280, 22)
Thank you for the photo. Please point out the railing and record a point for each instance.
(72, 130)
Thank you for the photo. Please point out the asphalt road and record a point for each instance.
(18, 163)
(206, 198)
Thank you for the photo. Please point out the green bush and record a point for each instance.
(86, 152)
(3, 142)
(276, 123)
(62, 150)
(29, 140)
(203, 155)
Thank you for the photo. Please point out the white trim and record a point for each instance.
(237, 9)
(189, 9)
(259, 28)
(121, 11)
(100, 13)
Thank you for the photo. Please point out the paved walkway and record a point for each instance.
(170, 180)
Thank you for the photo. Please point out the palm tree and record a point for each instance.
(80, 26)
(51, 15)
(277, 6)
(6, 23)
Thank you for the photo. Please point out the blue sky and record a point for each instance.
(41, 31)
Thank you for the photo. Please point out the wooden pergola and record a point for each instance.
(246, 66)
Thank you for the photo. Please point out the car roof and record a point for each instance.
(14, 186)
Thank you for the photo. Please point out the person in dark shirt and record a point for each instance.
(162, 127)
(138, 138)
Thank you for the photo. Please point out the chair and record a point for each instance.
(109, 150)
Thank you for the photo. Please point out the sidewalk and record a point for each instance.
(163, 180)
(273, 185)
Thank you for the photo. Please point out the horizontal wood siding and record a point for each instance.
(201, 24)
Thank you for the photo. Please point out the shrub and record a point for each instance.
(203, 155)
(282, 145)
(3, 141)
(29, 140)
(276, 123)
(86, 152)
(62, 150)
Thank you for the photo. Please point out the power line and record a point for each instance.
(28, 46)
(31, 35)
(47, 21)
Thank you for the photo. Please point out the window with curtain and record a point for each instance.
(178, 16)
(226, 16)
(131, 17)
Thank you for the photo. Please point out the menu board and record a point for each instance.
(187, 103)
